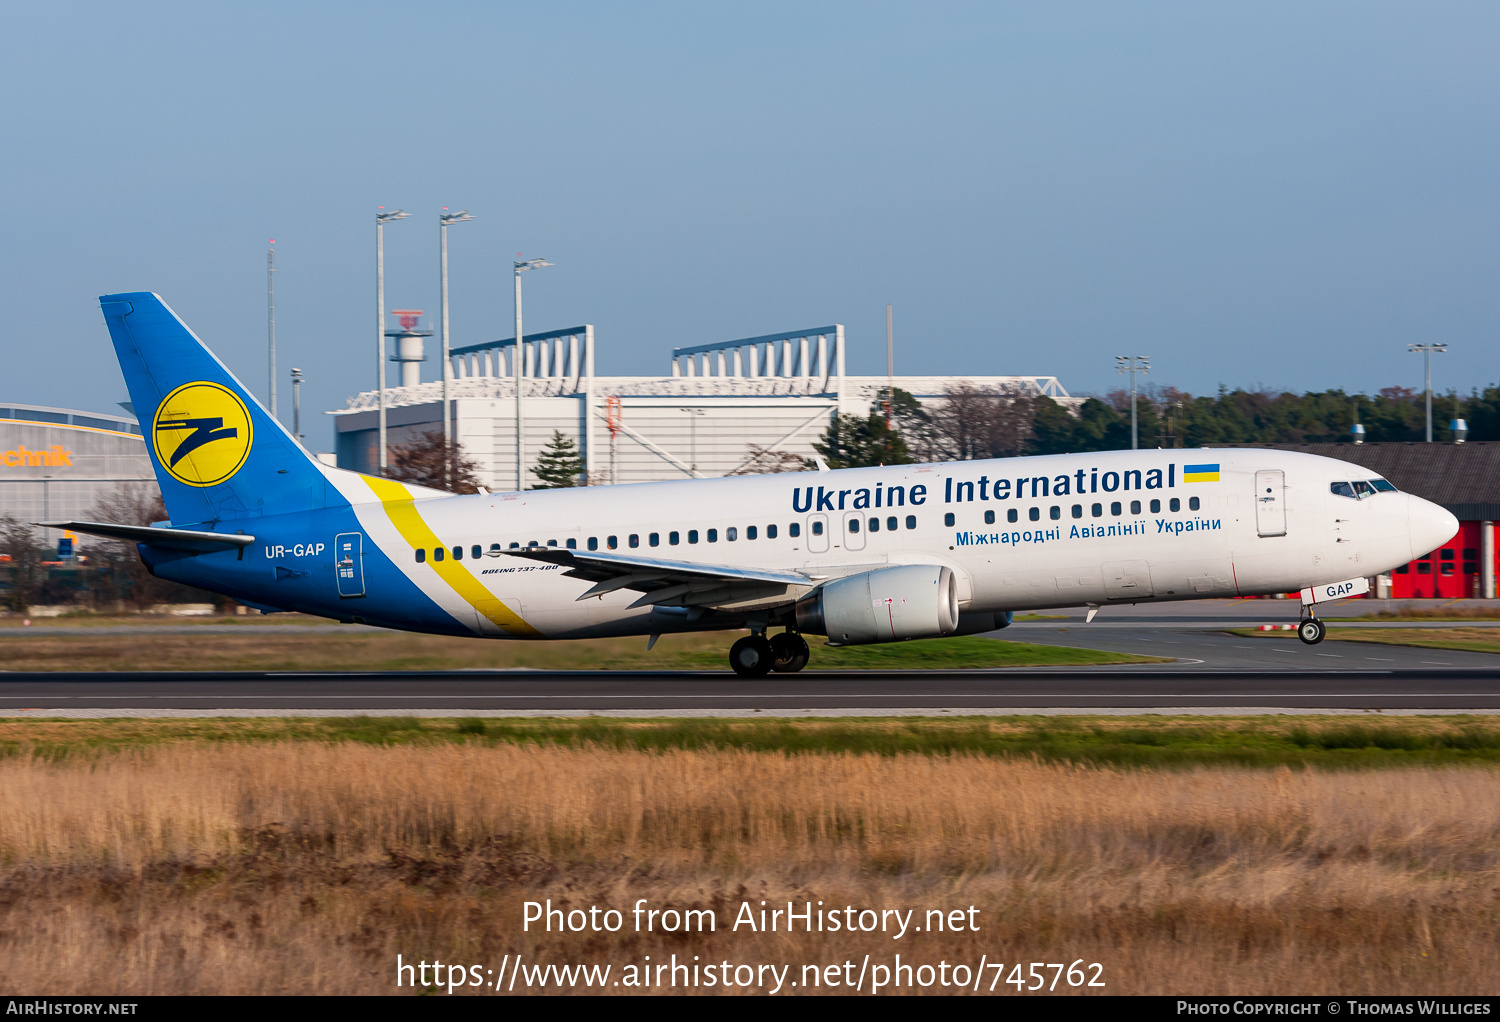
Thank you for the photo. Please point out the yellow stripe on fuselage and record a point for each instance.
(402, 510)
(1200, 477)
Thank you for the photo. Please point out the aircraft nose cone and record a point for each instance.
(1430, 525)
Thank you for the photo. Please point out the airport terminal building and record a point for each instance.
(717, 405)
(57, 463)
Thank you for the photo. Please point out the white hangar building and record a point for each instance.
(58, 463)
(706, 417)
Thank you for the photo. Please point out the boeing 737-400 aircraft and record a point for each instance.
(858, 555)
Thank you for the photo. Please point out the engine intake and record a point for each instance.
(913, 601)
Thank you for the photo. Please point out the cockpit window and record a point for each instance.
(1383, 486)
(1360, 489)
(1343, 490)
(1363, 489)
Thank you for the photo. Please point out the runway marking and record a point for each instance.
(1382, 659)
(1336, 656)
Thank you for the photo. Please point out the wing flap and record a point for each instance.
(681, 583)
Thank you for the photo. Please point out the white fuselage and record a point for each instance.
(1086, 531)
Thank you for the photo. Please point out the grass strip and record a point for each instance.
(1327, 742)
(1474, 640)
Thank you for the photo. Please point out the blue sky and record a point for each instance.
(1276, 194)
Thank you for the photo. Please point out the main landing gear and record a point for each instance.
(1311, 631)
(755, 656)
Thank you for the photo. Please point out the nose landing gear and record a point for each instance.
(1311, 631)
(755, 656)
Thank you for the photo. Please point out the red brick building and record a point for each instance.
(1465, 479)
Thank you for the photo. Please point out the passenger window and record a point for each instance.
(458, 553)
(612, 542)
(818, 527)
(635, 540)
(437, 553)
(593, 542)
(1077, 510)
(874, 524)
(948, 519)
(911, 521)
(552, 542)
(421, 555)
(476, 551)
(989, 518)
(1341, 489)
(692, 535)
(674, 538)
(1035, 514)
(1055, 513)
(1114, 507)
(892, 524)
(1175, 505)
(1135, 507)
(1156, 507)
(731, 534)
(1097, 510)
(854, 525)
(713, 535)
(495, 550)
(513, 546)
(654, 539)
(572, 544)
(771, 532)
(1011, 515)
(1192, 503)
(794, 530)
(751, 532)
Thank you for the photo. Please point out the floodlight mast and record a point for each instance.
(444, 219)
(1133, 364)
(382, 217)
(1427, 351)
(522, 265)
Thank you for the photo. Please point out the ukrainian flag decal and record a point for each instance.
(1200, 473)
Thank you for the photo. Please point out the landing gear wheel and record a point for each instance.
(789, 652)
(1311, 631)
(751, 657)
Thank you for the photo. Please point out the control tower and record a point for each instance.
(409, 345)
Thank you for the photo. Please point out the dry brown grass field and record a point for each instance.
(306, 866)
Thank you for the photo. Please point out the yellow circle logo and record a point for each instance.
(201, 433)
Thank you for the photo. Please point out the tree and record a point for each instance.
(854, 442)
(558, 466)
(429, 461)
(764, 461)
(977, 422)
(23, 557)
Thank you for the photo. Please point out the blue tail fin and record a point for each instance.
(218, 454)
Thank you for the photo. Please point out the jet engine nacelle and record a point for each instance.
(913, 601)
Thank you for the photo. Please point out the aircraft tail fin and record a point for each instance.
(218, 455)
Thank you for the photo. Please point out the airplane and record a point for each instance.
(863, 555)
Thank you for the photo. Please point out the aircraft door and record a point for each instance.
(817, 534)
(854, 531)
(349, 563)
(1270, 502)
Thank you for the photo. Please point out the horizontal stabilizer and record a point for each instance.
(171, 539)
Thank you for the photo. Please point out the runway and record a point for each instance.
(531, 692)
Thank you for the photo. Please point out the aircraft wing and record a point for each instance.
(171, 539)
(674, 583)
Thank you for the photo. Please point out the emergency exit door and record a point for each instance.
(349, 563)
(1270, 502)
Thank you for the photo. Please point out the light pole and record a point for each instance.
(1427, 351)
(444, 219)
(522, 265)
(271, 319)
(382, 218)
(297, 403)
(1133, 364)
